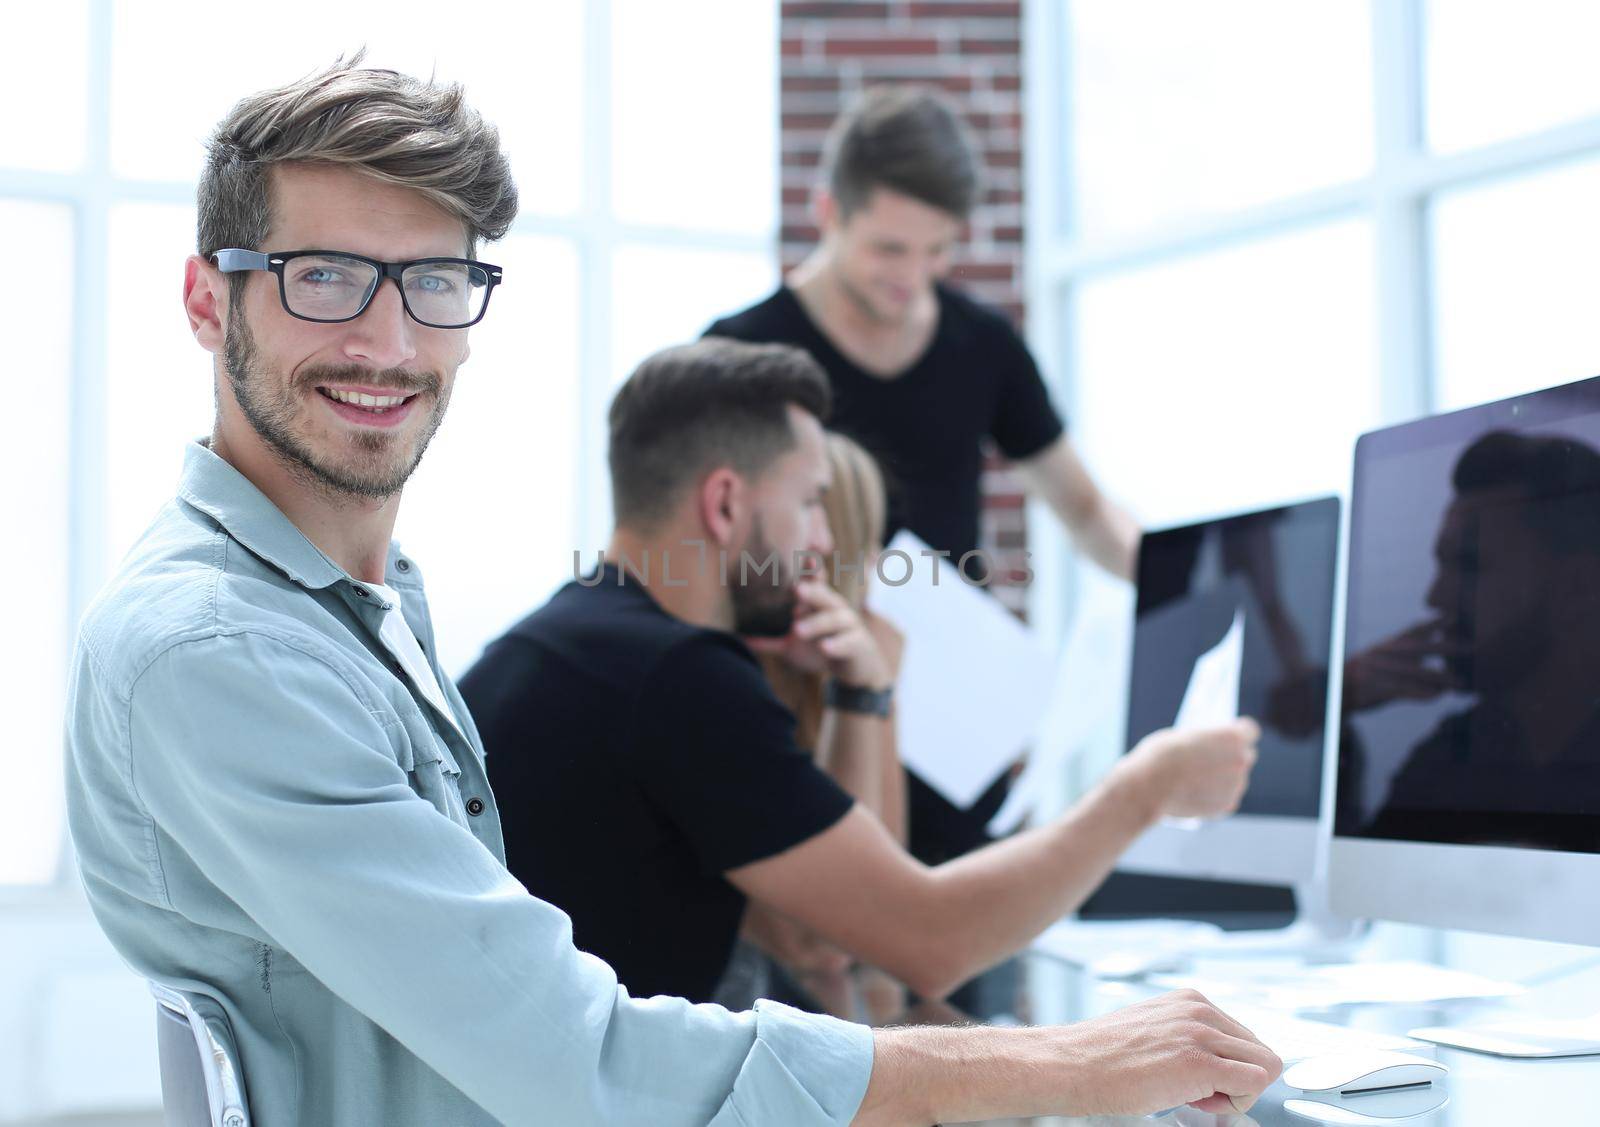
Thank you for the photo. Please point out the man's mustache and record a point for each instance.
(402, 380)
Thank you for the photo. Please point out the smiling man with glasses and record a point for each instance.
(278, 798)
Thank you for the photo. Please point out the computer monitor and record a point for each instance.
(1255, 592)
(1469, 749)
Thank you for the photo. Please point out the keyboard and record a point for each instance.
(1296, 1039)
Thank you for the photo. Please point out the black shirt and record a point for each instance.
(975, 380)
(636, 758)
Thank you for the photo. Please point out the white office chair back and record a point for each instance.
(200, 1084)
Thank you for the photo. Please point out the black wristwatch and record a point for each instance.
(855, 698)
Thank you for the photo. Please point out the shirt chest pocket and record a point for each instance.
(432, 770)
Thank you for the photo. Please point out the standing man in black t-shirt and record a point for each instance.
(650, 779)
(921, 375)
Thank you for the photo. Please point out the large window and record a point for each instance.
(1258, 229)
(640, 223)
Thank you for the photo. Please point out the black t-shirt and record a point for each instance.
(635, 758)
(975, 380)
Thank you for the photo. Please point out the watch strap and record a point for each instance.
(856, 698)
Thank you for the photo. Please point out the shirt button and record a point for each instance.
(474, 806)
(402, 565)
(361, 592)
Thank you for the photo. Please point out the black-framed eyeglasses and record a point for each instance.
(330, 286)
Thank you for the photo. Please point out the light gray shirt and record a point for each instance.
(269, 811)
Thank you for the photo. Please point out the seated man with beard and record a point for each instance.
(650, 779)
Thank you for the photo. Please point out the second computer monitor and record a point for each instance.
(1470, 735)
(1237, 614)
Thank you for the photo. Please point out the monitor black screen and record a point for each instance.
(1273, 571)
(1471, 704)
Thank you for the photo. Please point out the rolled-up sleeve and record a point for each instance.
(268, 766)
(791, 1075)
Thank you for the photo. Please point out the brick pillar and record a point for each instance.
(971, 49)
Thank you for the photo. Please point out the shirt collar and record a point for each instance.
(228, 497)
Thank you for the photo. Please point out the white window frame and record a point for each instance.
(1395, 197)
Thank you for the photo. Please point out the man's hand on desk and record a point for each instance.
(1175, 1049)
(1165, 1052)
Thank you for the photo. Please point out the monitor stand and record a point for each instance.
(1317, 934)
(1314, 935)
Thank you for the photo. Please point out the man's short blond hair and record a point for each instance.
(389, 126)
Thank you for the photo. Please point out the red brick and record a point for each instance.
(791, 48)
(985, 271)
(965, 9)
(797, 233)
(806, 122)
(810, 83)
(792, 196)
(1011, 120)
(1000, 46)
(1007, 234)
(1003, 501)
(946, 73)
(865, 48)
(991, 127)
(802, 158)
(957, 86)
(1006, 83)
(1003, 158)
(833, 10)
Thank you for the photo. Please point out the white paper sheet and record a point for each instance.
(1212, 698)
(1085, 701)
(974, 681)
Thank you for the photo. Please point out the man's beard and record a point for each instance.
(764, 607)
(375, 466)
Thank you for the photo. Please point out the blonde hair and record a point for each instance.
(857, 508)
(381, 123)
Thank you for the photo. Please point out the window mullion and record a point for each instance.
(597, 239)
(91, 297)
(1405, 371)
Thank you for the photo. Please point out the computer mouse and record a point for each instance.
(1371, 1071)
(1370, 1109)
